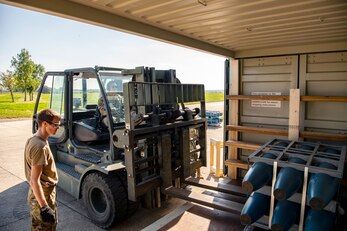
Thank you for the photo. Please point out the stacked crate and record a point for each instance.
(293, 185)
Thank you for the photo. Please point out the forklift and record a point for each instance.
(152, 138)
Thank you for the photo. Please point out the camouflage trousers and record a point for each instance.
(36, 221)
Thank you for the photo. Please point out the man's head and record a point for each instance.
(111, 86)
(49, 122)
(49, 116)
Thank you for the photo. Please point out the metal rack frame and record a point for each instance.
(292, 149)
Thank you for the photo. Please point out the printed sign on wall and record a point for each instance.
(266, 103)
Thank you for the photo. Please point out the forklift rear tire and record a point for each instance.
(105, 199)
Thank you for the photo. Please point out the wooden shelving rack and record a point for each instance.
(292, 132)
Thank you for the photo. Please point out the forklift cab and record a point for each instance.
(76, 94)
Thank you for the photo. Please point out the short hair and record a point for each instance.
(47, 115)
(111, 83)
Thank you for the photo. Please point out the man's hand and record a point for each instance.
(47, 214)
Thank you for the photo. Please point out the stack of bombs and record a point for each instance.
(321, 189)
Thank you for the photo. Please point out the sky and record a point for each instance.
(59, 44)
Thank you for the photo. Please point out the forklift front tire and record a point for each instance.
(105, 199)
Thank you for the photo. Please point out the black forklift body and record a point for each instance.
(150, 138)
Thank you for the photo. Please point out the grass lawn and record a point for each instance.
(22, 109)
(214, 96)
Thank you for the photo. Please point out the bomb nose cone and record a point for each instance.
(280, 194)
(277, 227)
(317, 203)
(247, 186)
(246, 219)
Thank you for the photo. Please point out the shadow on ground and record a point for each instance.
(14, 208)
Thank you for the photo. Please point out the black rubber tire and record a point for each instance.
(132, 205)
(105, 199)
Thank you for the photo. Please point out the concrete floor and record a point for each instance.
(14, 213)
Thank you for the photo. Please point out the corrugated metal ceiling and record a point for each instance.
(231, 25)
(239, 25)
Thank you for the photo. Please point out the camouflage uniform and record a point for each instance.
(37, 152)
(36, 221)
(117, 109)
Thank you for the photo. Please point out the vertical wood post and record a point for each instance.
(233, 114)
(294, 114)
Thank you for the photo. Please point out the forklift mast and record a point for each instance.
(171, 142)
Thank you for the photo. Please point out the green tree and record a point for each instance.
(28, 74)
(36, 80)
(8, 81)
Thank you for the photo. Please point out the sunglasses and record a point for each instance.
(54, 124)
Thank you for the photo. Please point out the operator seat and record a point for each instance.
(86, 133)
(87, 129)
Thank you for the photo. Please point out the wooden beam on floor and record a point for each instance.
(220, 187)
(206, 200)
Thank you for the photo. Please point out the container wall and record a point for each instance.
(324, 75)
(265, 76)
(319, 74)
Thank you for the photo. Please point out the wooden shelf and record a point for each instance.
(269, 131)
(305, 98)
(309, 98)
(302, 134)
(258, 97)
(323, 136)
(292, 132)
(240, 144)
(237, 163)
